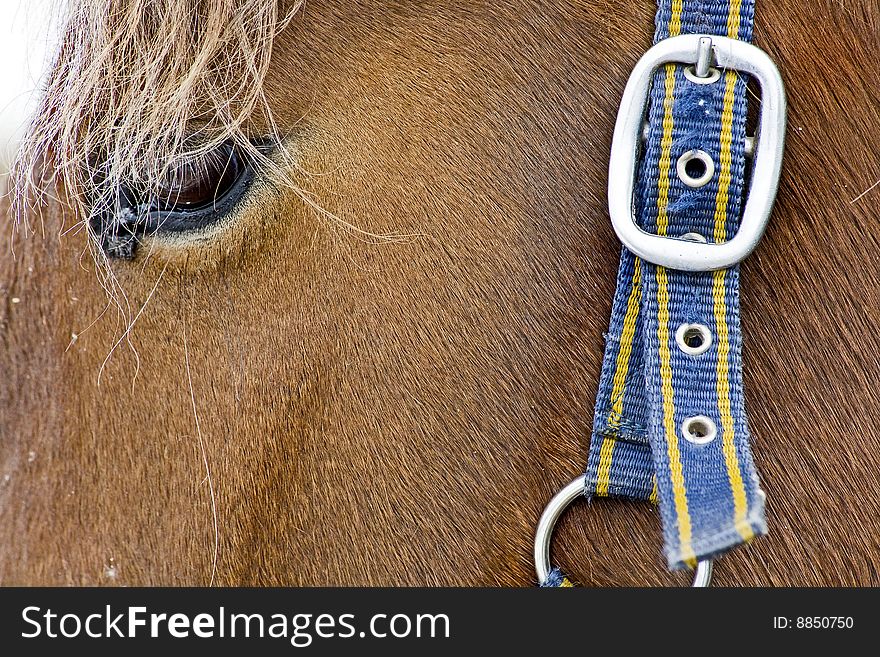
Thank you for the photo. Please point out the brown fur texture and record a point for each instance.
(399, 413)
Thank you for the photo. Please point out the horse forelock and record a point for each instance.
(138, 86)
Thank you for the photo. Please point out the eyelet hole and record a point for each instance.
(695, 168)
(693, 339)
(691, 74)
(699, 430)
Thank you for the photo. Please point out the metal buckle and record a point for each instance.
(547, 523)
(684, 254)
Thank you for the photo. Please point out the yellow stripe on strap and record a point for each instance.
(665, 152)
(733, 19)
(676, 473)
(740, 504)
(734, 473)
(725, 172)
(675, 19)
(603, 476)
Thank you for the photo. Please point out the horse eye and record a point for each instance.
(194, 195)
(199, 184)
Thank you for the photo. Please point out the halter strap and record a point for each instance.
(669, 422)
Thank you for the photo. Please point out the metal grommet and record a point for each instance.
(693, 339)
(547, 523)
(691, 74)
(695, 168)
(699, 429)
(694, 237)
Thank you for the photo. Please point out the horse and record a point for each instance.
(378, 365)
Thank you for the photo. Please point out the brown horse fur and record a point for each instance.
(298, 404)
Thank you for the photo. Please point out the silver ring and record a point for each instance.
(544, 534)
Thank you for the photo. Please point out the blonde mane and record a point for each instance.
(139, 86)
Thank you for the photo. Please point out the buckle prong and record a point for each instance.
(704, 57)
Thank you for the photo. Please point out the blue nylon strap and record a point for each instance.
(708, 494)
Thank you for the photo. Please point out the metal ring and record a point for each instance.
(544, 534)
